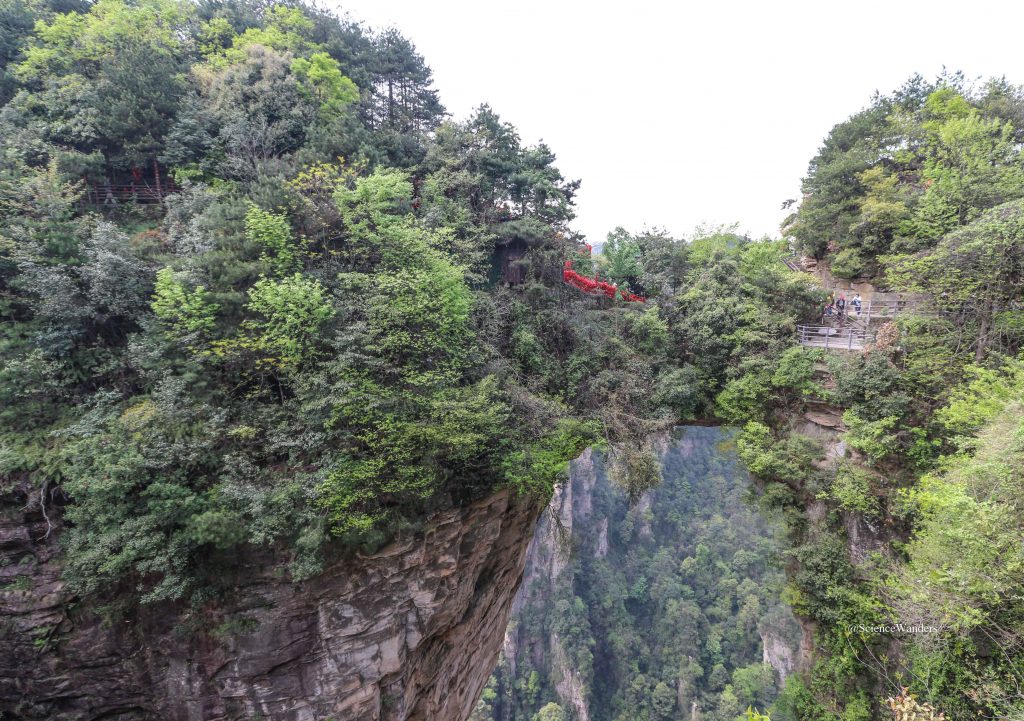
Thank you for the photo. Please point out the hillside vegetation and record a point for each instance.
(919, 192)
(661, 609)
(904, 555)
(346, 311)
(259, 291)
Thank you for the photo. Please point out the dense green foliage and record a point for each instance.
(944, 476)
(299, 344)
(921, 192)
(913, 166)
(312, 341)
(318, 338)
(666, 613)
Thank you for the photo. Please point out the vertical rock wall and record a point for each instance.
(408, 634)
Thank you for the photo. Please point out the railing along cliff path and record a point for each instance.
(850, 330)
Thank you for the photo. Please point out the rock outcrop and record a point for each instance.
(410, 633)
(549, 554)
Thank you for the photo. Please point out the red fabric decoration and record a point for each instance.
(593, 285)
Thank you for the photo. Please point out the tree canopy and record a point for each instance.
(309, 343)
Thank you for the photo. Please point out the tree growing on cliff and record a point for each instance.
(550, 712)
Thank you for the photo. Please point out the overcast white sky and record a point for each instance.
(680, 113)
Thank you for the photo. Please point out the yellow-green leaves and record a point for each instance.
(292, 311)
(378, 200)
(876, 439)
(183, 311)
(282, 332)
(966, 565)
(322, 80)
(852, 490)
(405, 444)
(215, 35)
(286, 30)
(535, 468)
(273, 234)
(419, 320)
(982, 396)
(71, 41)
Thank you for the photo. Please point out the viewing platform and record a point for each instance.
(854, 328)
(829, 338)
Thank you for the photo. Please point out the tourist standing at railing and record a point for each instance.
(841, 305)
(856, 304)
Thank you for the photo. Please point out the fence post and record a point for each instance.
(156, 172)
(827, 334)
(849, 343)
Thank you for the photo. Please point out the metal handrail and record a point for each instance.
(827, 337)
(884, 309)
(792, 262)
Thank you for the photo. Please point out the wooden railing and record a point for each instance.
(101, 195)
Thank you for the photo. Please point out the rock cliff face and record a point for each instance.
(549, 554)
(410, 633)
(866, 540)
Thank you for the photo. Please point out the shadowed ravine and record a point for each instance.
(688, 566)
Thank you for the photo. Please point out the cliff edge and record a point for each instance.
(409, 633)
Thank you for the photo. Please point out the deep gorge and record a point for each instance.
(293, 362)
(661, 610)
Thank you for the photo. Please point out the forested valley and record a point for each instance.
(667, 608)
(263, 299)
